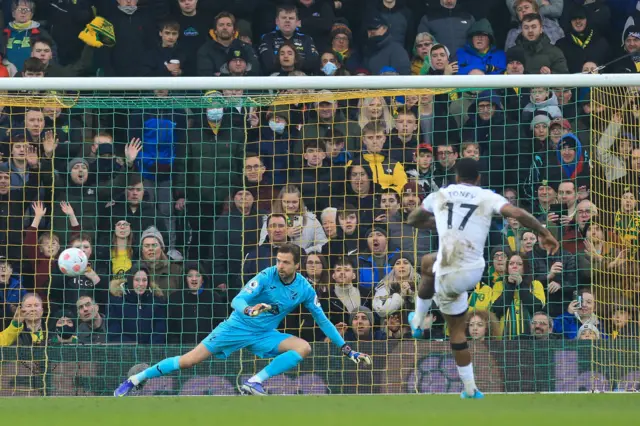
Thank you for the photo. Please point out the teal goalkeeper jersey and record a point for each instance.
(267, 287)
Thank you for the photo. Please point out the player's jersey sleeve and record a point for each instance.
(497, 201)
(312, 303)
(249, 292)
(429, 202)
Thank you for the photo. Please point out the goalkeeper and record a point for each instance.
(258, 309)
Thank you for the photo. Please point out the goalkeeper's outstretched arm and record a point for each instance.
(331, 331)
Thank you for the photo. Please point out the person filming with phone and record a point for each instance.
(580, 311)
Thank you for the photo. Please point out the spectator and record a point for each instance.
(631, 45)
(421, 61)
(121, 252)
(165, 59)
(396, 290)
(316, 20)
(194, 311)
(135, 34)
(588, 332)
(341, 39)
(194, 26)
(387, 172)
(303, 229)
(289, 60)
(375, 110)
(480, 52)
(399, 17)
(437, 126)
(439, 57)
(623, 324)
(483, 325)
(583, 43)
(362, 326)
(547, 196)
(65, 20)
(549, 24)
(238, 62)
(11, 290)
(375, 261)
(139, 314)
(404, 140)
(445, 167)
(240, 227)
(542, 101)
(614, 150)
(330, 119)
(424, 169)
(331, 65)
(517, 296)
(26, 328)
(627, 219)
(64, 327)
(381, 50)
(542, 327)
(164, 273)
(540, 56)
(287, 24)
(597, 254)
(256, 179)
(551, 9)
(92, 325)
(262, 256)
(346, 239)
(313, 179)
(42, 48)
(449, 23)
(20, 31)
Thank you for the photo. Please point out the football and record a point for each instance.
(72, 262)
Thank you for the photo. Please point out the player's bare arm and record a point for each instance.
(547, 240)
(421, 219)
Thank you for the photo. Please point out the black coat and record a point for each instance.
(597, 49)
(193, 316)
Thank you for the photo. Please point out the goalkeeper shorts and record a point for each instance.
(226, 339)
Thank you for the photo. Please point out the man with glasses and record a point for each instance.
(541, 327)
(445, 170)
(92, 325)
(20, 31)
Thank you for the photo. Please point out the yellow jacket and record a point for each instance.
(9, 335)
(384, 175)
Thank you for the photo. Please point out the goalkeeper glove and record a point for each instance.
(355, 356)
(254, 311)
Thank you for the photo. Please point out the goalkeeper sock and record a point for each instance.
(283, 362)
(164, 367)
(422, 309)
(466, 375)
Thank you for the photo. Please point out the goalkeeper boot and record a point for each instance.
(126, 387)
(252, 388)
(415, 322)
(476, 395)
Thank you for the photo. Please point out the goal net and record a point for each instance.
(180, 197)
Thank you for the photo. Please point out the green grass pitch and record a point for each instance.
(339, 410)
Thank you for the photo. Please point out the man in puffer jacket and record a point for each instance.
(480, 52)
(448, 22)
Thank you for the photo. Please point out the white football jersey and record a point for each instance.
(463, 217)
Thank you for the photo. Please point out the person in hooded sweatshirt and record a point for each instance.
(138, 314)
(398, 15)
(481, 52)
(541, 101)
(582, 42)
(382, 50)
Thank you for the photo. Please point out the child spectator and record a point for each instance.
(386, 172)
(11, 291)
(483, 325)
(541, 101)
(424, 168)
(195, 310)
(404, 141)
(194, 26)
(165, 59)
(139, 314)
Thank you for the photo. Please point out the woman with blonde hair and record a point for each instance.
(375, 109)
(303, 228)
(395, 291)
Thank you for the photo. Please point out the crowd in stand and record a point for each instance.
(177, 208)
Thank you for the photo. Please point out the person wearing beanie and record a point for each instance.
(65, 328)
(362, 326)
(540, 55)
(375, 259)
(631, 46)
(542, 100)
(582, 42)
(165, 273)
(341, 40)
(238, 63)
(480, 51)
(396, 290)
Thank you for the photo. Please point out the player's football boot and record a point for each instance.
(476, 395)
(414, 323)
(126, 387)
(252, 388)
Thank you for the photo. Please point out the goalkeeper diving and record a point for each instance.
(257, 310)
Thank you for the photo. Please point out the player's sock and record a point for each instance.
(283, 362)
(164, 367)
(466, 375)
(422, 309)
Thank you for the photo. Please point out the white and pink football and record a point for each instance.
(72, 262)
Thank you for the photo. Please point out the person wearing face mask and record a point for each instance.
(382, 50)
(213, 150)
(135, 33)
(65, 328)
(275, 145)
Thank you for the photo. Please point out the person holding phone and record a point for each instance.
(580, 311)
